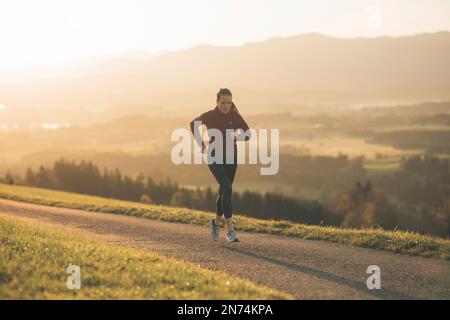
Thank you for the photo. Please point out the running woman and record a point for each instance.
(224, 116)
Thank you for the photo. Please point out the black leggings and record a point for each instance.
(224, 174)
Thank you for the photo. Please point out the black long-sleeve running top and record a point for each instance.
(218, 120)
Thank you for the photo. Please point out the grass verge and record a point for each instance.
(396, 241)
(34, 260)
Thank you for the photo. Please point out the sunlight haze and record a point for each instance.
(54, 32)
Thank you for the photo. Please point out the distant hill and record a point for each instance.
(277, 74)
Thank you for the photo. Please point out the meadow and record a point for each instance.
(35, 259)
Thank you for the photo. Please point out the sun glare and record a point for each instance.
(60, 31)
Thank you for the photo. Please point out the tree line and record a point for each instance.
(86, 178)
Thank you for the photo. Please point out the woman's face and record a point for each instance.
(224, 103)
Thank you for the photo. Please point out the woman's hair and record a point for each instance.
(223, 92)
(226, 92)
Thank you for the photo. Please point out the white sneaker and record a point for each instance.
(214, 228)
(231, 236)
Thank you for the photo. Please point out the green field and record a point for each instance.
(383, 165)
(392, 163)
(395, 241)
(34, 260)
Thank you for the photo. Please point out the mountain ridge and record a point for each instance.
(289, 72)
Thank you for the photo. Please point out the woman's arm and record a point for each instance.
(241, 124)
(198, 137)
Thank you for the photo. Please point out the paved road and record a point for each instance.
(306, 269)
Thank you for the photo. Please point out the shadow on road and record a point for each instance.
(361, 286)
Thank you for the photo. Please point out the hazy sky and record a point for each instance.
(48, 31)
